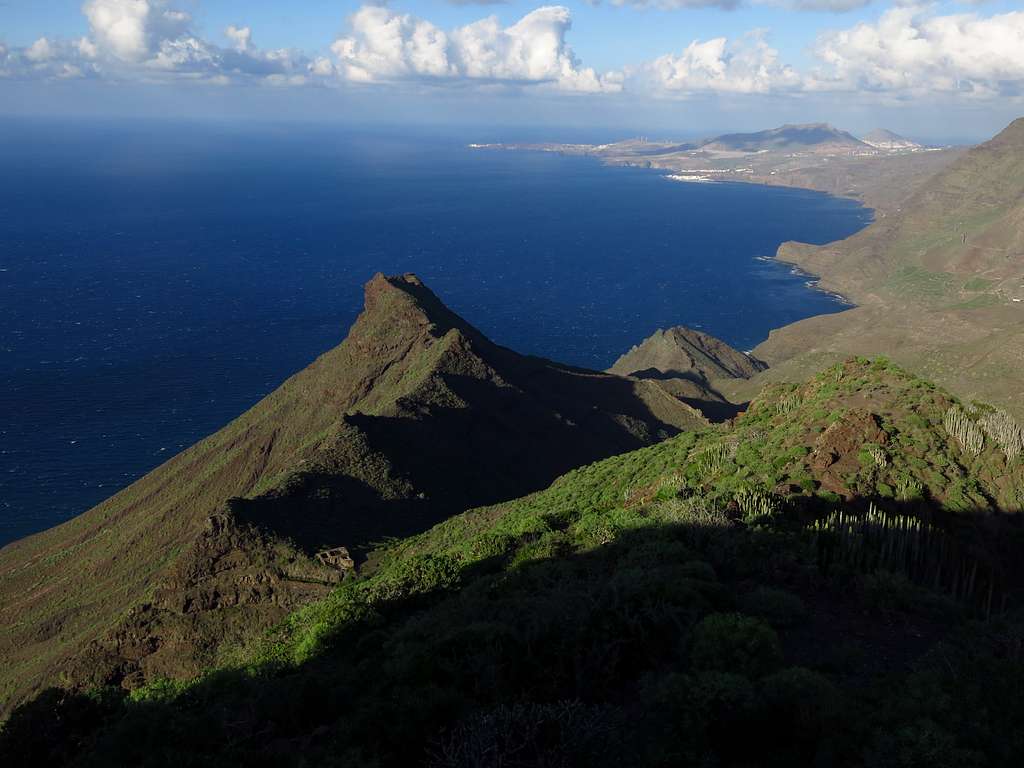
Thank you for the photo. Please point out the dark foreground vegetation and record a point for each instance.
(832, 580)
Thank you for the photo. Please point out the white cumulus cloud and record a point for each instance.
(747, 65)
(911, 51)
(154, 41)
(386, 46)
(241, 37)
(121, 26)
(40, 50)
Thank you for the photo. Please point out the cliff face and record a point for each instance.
(415, 416)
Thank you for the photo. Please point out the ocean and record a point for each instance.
(156, 279)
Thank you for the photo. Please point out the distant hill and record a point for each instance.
(414, 417)
(687, 364)
(685, 353)
(816, 137)
(938, 281)
(881, 138)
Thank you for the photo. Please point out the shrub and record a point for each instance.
(778, 607)
(887, 591)
(567, 733)
(732, 642)
(805, 701)
(922, 744)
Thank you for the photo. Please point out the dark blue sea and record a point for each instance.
(156, 279)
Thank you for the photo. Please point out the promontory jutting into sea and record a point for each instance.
(516, 386)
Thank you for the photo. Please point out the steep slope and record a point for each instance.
(835, 576)
(812, 137)
(413, 417)
(939, 282)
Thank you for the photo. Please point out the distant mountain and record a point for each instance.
(685, 353)
(414, 417)
(885, 139)
(816, 137)
(685, 363)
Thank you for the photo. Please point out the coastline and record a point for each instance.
(787, 252)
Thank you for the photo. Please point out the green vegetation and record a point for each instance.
(917, 283)
(933, 278)
(414, 417)
(687, 603)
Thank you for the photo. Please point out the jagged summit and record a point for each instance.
(415, 416)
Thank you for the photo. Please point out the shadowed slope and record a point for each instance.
(414, 416)
(643, 611)
(686, 363)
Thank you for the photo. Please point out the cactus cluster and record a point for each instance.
(1004, 432)
(964, 430)
(881, 541)
(908, 488)
(712, 458)
(879, 455)
(788, 403)
(755, 505)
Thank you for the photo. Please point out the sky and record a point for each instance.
(950, 70)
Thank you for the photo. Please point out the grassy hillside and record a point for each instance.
(414, 417)
(834, 579)
(939, 283)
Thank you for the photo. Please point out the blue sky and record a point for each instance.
(952, 67)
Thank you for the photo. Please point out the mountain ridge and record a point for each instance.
(817, 136)
(228, 536)
(825, 571)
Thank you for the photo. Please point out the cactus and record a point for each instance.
(908, 488)
(755, 505)
(961, 427)
(925, 554)
(879, 455)
(1004, 432)
(712, 458)
(788, 403)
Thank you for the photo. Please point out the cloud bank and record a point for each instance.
(747, 65)
(909, 51)
(150, 40)
(386, 46)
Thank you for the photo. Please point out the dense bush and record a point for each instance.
(732, 642)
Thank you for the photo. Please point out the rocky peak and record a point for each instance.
(681, 352)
